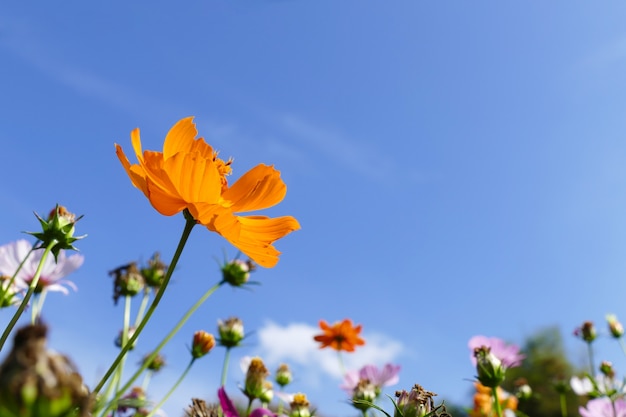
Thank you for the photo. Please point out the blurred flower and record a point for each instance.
(283, 375)
(189, 175)
(230, 331)
(8, 292)
(491, 372)
(268, 392)
(237, 272)
(155, 364)
(299, 406)
(229, 409)
(416, 403)
(254, 386)
(586, 332)
(523, 391)
(127, 281)
(136, 399)
(118, 339)
(380, 378)
(36, 382)
(508, 354)
(604, 407)
(52, 274)
(363, 395)
(615, 327)
(601, 385)
(342, 335)
(155, 271)
(483, 402)
(202, 344)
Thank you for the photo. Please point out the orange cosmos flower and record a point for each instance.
(189, 175)
(340, 336)
(483, 401)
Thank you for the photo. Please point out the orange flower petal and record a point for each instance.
(257, 189)
(182, 138)
(134, 172)
(194, 177)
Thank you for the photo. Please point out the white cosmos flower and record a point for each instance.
(52, 274)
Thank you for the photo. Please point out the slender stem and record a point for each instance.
(225, 366)
(591, 361)
(189, 224)
(38, 305)
(563, 401)
(125, 331)
(341, 364)
(29, 293)
(171, 391)
(249, 409)
(19, 267)
(142, 306)
(496, 401)
(165, 340)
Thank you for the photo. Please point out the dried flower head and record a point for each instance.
(35, 382)
(586, 332)
(127, 281)
(154, 273)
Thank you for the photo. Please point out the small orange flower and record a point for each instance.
(483, 401)
(342, 335)
(189, 175)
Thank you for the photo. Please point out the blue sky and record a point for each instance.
(457, 169)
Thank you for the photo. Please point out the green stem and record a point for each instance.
(563, 401)
(160, 346)
(38, 306)
(189, 224)
(591, 361)
(249, 409)
(341, 365)
(169, 393)
(142, 306)
(29, 294)
(496, 401)
(225, 366)
(125, 330)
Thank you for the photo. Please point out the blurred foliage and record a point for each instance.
(545, 366)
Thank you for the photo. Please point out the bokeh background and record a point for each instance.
(458, 168)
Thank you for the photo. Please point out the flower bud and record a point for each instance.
(8, 292)
(156, 364)
(490, 370)
(299, 406)
(416, 403)
(237, 272)
(230, 331)
(127, 281)
(283, 375)
(606, 368)
(155, 271)
(586, 332)
(364, 393)
(523, 391)
(202, 344)
(255, 378)
(119, 340)
(615, 327)
(57, 229)
(268, 392)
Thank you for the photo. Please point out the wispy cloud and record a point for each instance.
(357, 156)
(294, 344)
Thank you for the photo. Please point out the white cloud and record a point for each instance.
(294, 344)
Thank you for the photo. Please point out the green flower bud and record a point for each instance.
(283, 375)
(615, 327)
(490, 370)
(255, 379)
(268, 392)
(416, 403)
(230, 331)
(127, 281)
(237, 272)
(363, 395)
(155, 271)
(58, 229)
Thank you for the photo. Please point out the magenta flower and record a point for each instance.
(384, 377)
(508, 354)
(604, 407)
(229, 409)
(51, 279)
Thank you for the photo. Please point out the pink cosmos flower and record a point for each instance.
(384, 377)
(603, 407)
(51, 279)
(229, 409)
(508, 354)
